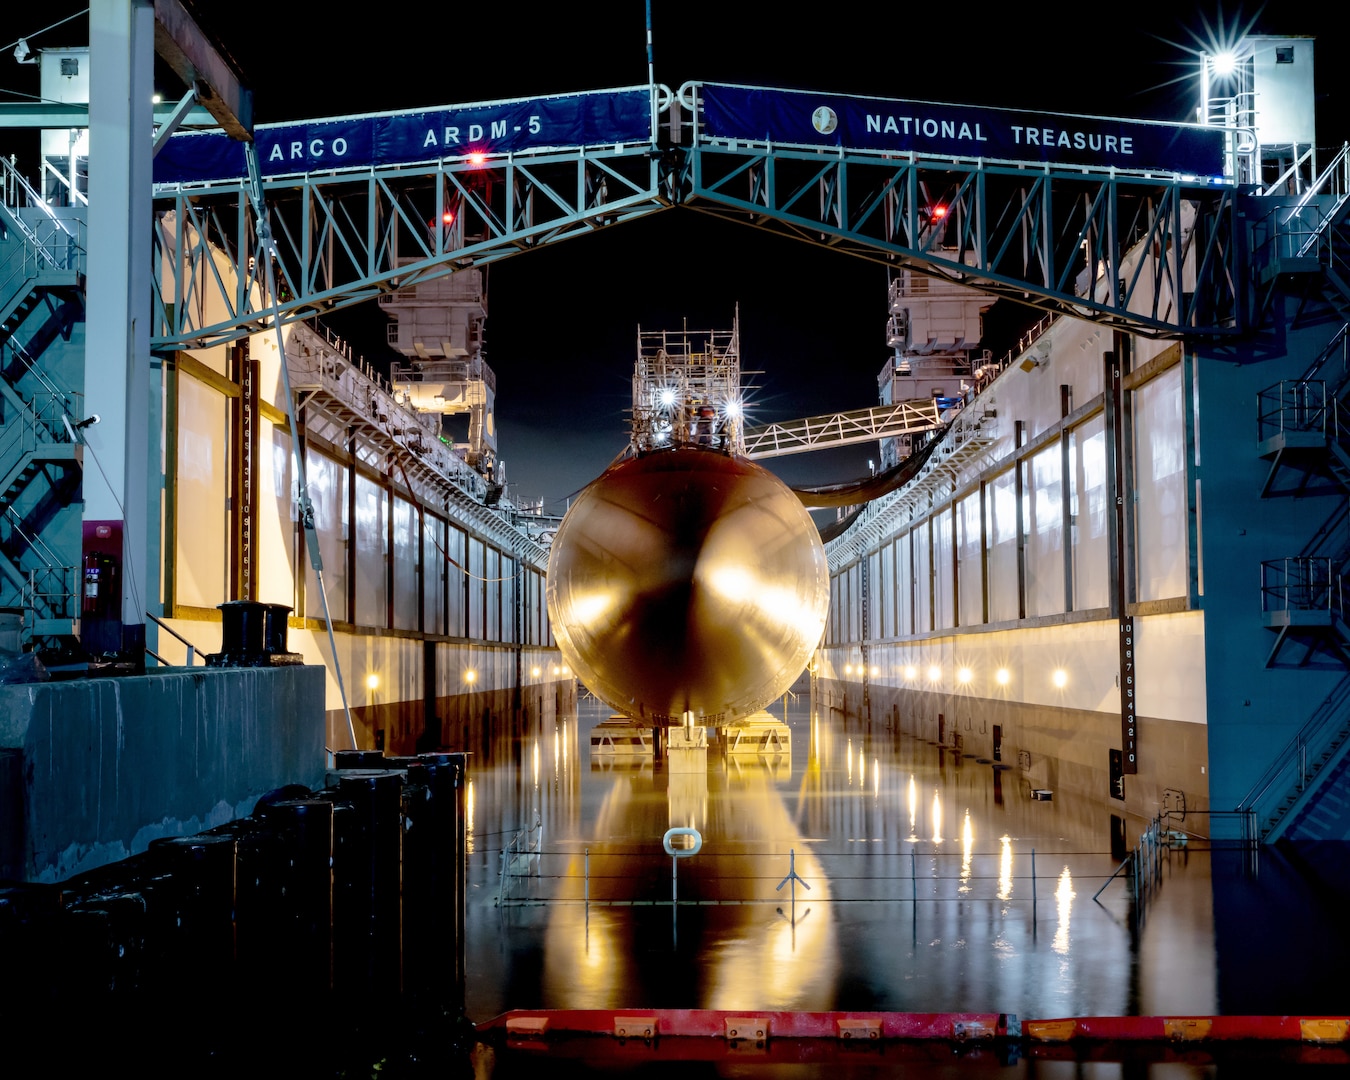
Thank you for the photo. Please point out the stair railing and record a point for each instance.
(61, 402)
(1294, 405)
(1290, 768)
(192, 651)
(1335, 181)
(49, 588)
(59, 242)
(75, 195)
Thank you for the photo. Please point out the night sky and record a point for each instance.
(563, 320)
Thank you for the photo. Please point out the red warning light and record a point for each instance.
(477, 157)
(939, 211)
(448, 218)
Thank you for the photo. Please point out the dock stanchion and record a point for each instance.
(793, 877)
(676, 854)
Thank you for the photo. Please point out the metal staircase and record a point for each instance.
(1302, 794)
(41, 296)
(1302, 432)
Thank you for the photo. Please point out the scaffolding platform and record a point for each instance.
(758, 733)
(620, 736)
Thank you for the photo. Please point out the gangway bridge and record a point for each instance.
(1129, 223)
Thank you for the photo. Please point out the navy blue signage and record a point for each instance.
(811, 119)
(601, 118)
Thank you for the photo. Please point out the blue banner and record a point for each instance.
(811, 119)
(570, 121)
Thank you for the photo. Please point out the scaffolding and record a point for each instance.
(687, 390)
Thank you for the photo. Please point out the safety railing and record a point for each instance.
(349, 379)
(1302, 583)
(192, 650)
(54, 179)
(1301, 228)
(54, 240)
(1332, 364)
(39, 425)
(1294, 768)
(1297, 405)
(520, 859)
(51, 591)
(636, 876)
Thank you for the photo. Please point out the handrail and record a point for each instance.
(191, 648)
(1337, 339)
(76, 195)
(36, 543)
(1296, 750)
(1342, 162)
(1301, 583)
(42, 377)
(1129, 860)
(18, 183)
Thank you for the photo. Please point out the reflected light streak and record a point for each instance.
(876, 779)
(862, 769)
(937, 818)
(1064, 902)
(967, 848)
(777, 604)
(534, 763)
(468, 814)
(850, 763)
(913, 807)
(587, 607)
(1005, 875)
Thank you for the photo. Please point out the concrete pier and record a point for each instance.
(93, 770)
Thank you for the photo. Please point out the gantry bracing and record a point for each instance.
(1150, 252)
(841, 429)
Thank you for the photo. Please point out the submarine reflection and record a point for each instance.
(756, 947)
(923, 872)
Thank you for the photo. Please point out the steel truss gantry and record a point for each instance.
(1157, 255)
(842, 429)
(1036, 234)
(345, 237)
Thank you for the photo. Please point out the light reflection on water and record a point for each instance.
(888, 914)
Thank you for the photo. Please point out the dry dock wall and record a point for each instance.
(93, 770)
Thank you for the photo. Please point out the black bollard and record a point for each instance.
(366, 883)
(243, 632)
(276, 630)
(192, 901)
(103, 946)
(304, 911)
(434, 852)
(259, 890)
(359, 759)
(28, 936)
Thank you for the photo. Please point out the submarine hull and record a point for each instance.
(687, 581)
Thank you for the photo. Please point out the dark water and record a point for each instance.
(927, 883)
